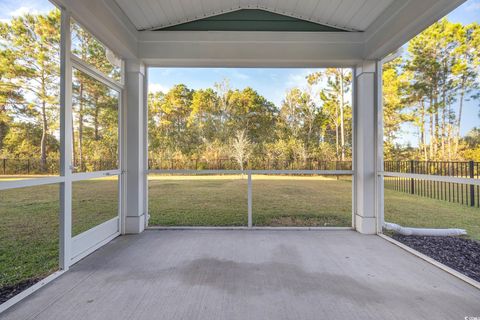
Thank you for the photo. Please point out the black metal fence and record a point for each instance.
(17, 166)
(95, 165)
(465, 194)
(254, 164)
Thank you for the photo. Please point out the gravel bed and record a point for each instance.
(460, 254)
(8, 292)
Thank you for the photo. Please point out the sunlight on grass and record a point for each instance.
(23, 177)
(94, 201)
(198, 200)
(154, 177)
(415, 211)
(302, 201)
(221, 200)
(29, 233)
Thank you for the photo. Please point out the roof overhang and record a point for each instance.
(398, 23)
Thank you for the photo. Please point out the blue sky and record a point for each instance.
(468, 12)
(271, 83)
(11, 8)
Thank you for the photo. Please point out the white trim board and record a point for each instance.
(253, 228)
(431, 177)
(253, 172)
(15, 184)
(90, 240)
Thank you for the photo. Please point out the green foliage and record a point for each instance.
(428, 89)
(470, 145)
(29, 93)
(205, 123)
(29, 76)
(23, 139)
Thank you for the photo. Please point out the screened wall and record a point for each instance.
(60, 146)
(228, 147)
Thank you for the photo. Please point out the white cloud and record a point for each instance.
(230, 73)
(15, 8)
(22, 11)
(156, 87)
(298, 78)
(473, 6)
(240, 75)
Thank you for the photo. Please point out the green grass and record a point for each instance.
(302, 202)
(29, 216)
(93, 202)
(289, 201)
(415, 211)
(29, 227)
(222, 201)
(29, 234)
(202, 201)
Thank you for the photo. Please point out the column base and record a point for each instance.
(135, 225)
(366, 225)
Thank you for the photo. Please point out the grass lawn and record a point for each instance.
(222, 201)
(289, 201)
(302, 201)
(29, 216)
(415, 211)
(29, 234)
(29, 227)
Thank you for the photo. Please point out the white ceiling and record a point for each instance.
(352, 15)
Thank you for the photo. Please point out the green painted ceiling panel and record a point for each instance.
(250, 20)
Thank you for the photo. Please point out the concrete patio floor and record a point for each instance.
(240, 274)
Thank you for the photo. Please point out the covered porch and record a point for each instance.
(242, 274)
(122, 268)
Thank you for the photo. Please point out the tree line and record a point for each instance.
(223, 122)
(427, 87)
(30, 88)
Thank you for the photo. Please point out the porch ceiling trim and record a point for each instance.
(395, 25)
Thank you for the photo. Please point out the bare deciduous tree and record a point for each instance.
(241, 148)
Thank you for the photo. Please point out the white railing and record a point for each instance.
(430, 177)
(249, 174)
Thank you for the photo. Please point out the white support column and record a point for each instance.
(66, 147)
(145, 146)
(134, 147)
(366, 151)
(379, 152)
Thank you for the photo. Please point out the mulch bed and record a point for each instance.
(10, 291)
(459, 254)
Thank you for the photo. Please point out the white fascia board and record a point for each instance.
(250, 49)
(106, 22)
(251, 36)
(402, 21)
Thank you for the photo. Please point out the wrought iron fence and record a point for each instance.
(16, 166)
(465, 194)
(51, 166)
(447, 191)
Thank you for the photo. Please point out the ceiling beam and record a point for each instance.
(250, 49)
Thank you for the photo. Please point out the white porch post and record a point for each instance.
(367, 152)
(134, 148)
